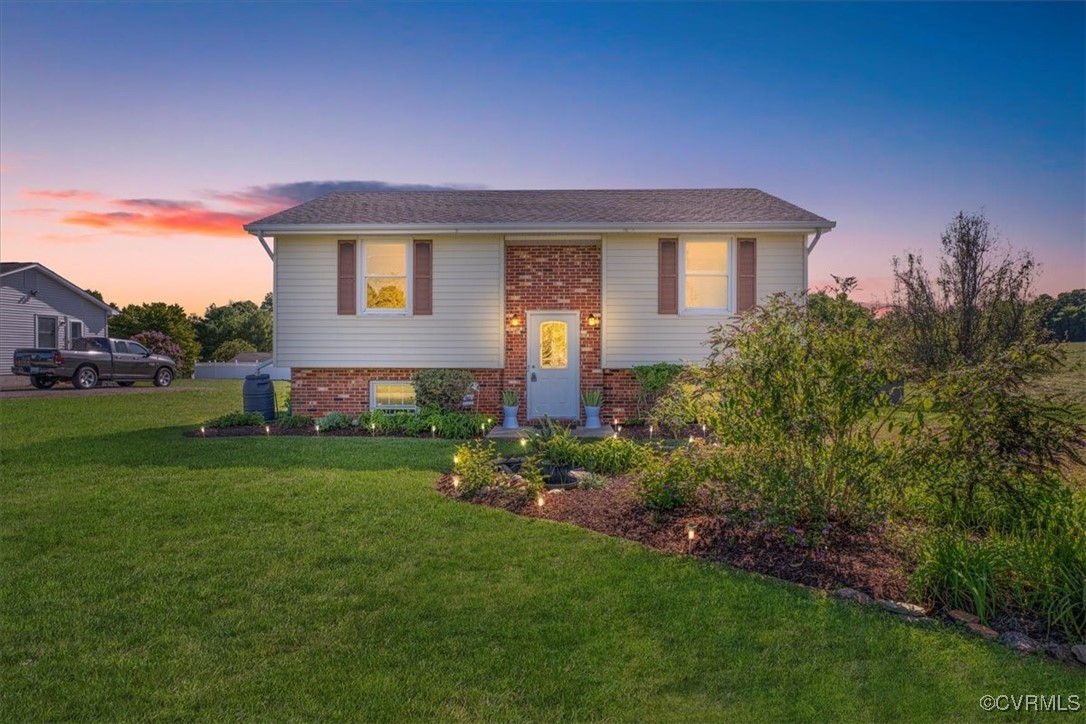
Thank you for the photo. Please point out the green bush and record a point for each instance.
(474, 464)
(237, 419)
(442, 389)
(667, 482)
(995, 452)
(555, 445)
(335, 421)
(612, 456)
(652, 381)
(294, 422)
(799, 398)
(592, 481)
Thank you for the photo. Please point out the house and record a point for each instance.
(40, 308)
(549, 293)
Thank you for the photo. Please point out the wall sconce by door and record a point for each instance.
(593, 320)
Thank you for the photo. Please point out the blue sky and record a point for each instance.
(888, 118)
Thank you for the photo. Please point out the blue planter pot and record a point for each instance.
(592, 418)
(510, 421)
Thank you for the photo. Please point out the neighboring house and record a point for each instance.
(549, 293)
(40, 308)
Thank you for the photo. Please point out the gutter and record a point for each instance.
(264, 243)
(565, 228)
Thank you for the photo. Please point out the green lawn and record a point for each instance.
(147, 575)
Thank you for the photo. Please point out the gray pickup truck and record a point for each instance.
(92, 360)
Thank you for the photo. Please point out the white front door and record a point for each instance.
(554, 365)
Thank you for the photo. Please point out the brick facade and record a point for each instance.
(537, 277)
(317, 392)
(551, 277)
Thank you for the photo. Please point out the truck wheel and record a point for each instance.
(85, 378)
(41, 382)
(163, 377)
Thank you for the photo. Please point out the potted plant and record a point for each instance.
(510, 406)
(592, 399)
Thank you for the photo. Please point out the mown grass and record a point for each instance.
(148, 575)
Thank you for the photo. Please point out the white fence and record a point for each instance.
(235, 371)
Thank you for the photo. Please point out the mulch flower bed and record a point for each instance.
(866, 561)
(259, 431)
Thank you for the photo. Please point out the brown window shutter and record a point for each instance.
(424, 277)
(668, 295)
(747, 290)
(347, 288)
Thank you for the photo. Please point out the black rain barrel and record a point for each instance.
(258, 395)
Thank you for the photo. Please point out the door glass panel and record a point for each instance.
(120, 347)
(553, 346)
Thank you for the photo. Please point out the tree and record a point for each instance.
(268, 305)
(170, 319)
(976, 307)
(230, 349)
(237, 320)
(159, 343)
(1065, 316)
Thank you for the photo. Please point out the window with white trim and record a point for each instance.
(46, 328)
(705, 285)
(385, 276)
(391, 395)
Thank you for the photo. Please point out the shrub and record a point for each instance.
(454, 425)
(652, 380)
(555, 445)
(474, 463)
(592, 481)
(442, 389)
(159, 343)
(612, 456)
(230, 349)
(667, 483)
(335, 421)
(800, 398)
(294, 422)
(995, 452)
(237, 419)
(510, 398)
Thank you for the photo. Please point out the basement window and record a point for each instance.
(392, 396)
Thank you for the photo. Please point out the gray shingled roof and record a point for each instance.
(12, 266)
(597, 206)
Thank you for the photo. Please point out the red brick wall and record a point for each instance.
(317, 392)
(619, 395)
(551, 277)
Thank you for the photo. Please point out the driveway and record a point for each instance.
(13, 387)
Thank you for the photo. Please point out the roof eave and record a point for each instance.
(258, 229)
(64, 282)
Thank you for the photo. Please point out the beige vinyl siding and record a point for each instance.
(635, 334)
(464, 331)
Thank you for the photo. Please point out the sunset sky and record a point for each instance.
(135, 140)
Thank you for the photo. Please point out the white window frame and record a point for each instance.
(56, 331)
(72, 336)
(729, 276)
(409, 263)
(391, 408)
